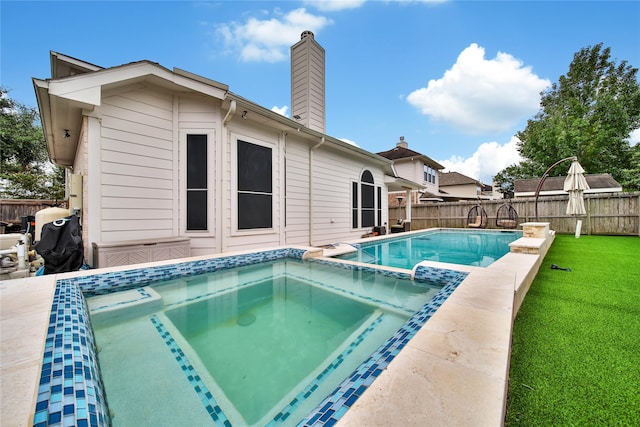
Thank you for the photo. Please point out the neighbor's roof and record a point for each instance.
(455, 178)
(403, 153)
(597, 183)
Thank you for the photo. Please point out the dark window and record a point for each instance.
(379, 221)
(429, 174)
(255, 196)
(367, 200)
(354, 204)
(196, 182)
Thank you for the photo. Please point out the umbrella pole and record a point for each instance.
(578, 228)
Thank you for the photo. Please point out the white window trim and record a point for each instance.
(234, 186)
(211, 181)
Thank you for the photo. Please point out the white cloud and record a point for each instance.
(479, 95)
(634, 137)
(335, 5)
(489, 159)
(280, 110)
(268, 39)
(348, 141)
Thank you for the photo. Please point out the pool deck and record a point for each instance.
(454, 371)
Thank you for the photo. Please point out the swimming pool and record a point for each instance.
(167, 367)
(478, 248)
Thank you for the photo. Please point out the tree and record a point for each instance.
(25, 169)
(504, 180)
(590, 114)
(631, 176)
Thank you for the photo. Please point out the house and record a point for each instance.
(553, 185)
(414, 167)
(437, 186)
(457, 186)
(158, 156)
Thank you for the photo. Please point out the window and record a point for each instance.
(429, 174)
(379, 218)
(196, 182)
(367, 200)
(255, 195)
(354, 204)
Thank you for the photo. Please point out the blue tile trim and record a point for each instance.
(353, 294)
(99, 284)
(313, 386)
(365, 268)
(329, 411)
(219, 291)
(205, 396)
(144, 294)
(430, 275)
(70, 391)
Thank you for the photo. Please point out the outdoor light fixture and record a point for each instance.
(66, 133)
(244, 114)
(297, 117)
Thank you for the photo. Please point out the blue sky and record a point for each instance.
(457, 79)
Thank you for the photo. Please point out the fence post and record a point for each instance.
(588, 216)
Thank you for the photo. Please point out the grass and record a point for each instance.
(575, 357)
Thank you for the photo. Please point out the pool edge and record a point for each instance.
(23, 388)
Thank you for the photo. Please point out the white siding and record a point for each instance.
(142, 178)
(333, 174)
(199, 115)
(297, 210)
(234, 239)
(136, 185)
(462, 190)
(413, 170)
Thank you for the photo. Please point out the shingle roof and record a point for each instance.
(399, 153)
(556, 183)
(455, 178)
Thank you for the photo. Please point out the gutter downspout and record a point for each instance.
(282, 235)
(224, 189)
(322, 141)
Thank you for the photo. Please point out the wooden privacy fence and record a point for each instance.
(607, 213)
(12, 210)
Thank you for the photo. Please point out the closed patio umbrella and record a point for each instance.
(575, 184)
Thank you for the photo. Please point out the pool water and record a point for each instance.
(472, 247)
(274, 319)
(253, 345)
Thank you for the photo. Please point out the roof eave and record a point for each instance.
(396, 183)
(286, 124)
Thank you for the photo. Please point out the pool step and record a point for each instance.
(122, 306)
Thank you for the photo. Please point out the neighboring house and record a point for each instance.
(553, 186)
(163, 154)
(414, 167)
(437, 186)
(456, 186)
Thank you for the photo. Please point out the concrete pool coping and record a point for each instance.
(454, 371)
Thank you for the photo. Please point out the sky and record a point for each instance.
(457, 79)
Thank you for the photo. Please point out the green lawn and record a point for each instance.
(575, 357)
